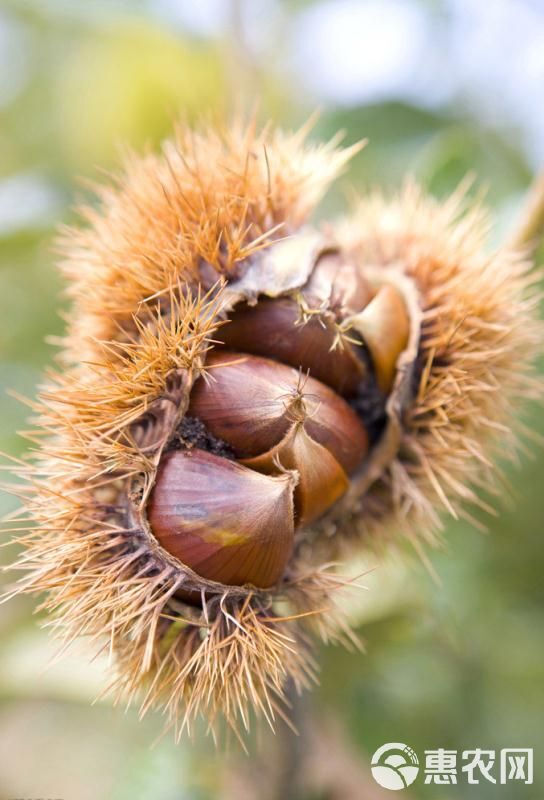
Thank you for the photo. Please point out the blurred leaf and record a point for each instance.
(126, 84)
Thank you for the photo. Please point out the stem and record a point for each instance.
(277, 770)
(529, 229)
(244, 74)
(292, 747)
(320, 762)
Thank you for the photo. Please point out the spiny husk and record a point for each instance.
(147, 281)
(476, 370)
(173, 246)
(213, 197)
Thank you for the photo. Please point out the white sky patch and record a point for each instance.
(259, 19)
(27, 201)
(498, 50)
(351, 52)
(200, 17)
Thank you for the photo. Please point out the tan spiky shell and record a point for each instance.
(480, 333)
(170, 247)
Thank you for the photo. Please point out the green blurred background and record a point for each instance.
(440, 88)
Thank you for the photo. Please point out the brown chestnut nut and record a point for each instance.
(251, 403)
(226, 522)
(274, 328)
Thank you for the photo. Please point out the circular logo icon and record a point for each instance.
(394, 766)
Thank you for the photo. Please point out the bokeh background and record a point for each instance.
(440, 88)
